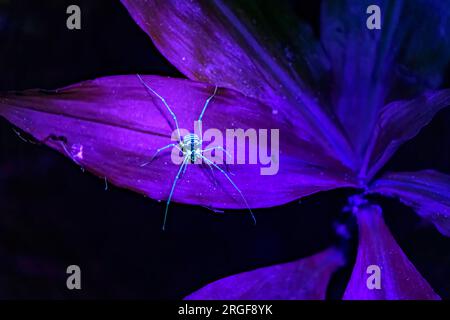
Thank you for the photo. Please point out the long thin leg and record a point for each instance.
(199, 154)
(226, 152)
(218, 148)
(234, 185)
(206, 104)
(172, 190)
(212, 173)
(165, 103)
(188, 156)
(172, 145)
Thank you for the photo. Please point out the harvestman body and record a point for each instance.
(191, 148)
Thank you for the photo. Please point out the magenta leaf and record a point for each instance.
(428, 192)
(382, 271)
(112, 126)
(401, 121)
(304, 279)
(206, 41)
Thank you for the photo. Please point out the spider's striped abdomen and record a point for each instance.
(191, 146)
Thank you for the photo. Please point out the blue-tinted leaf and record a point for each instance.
(428, 192)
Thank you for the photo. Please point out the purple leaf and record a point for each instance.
(304, 279)
(112, 126)
(408, 54)
(361, 60)
(400, 121)
(382, 271)
(206, 41)
(428, 192)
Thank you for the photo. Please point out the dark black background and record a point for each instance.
(53, 215)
